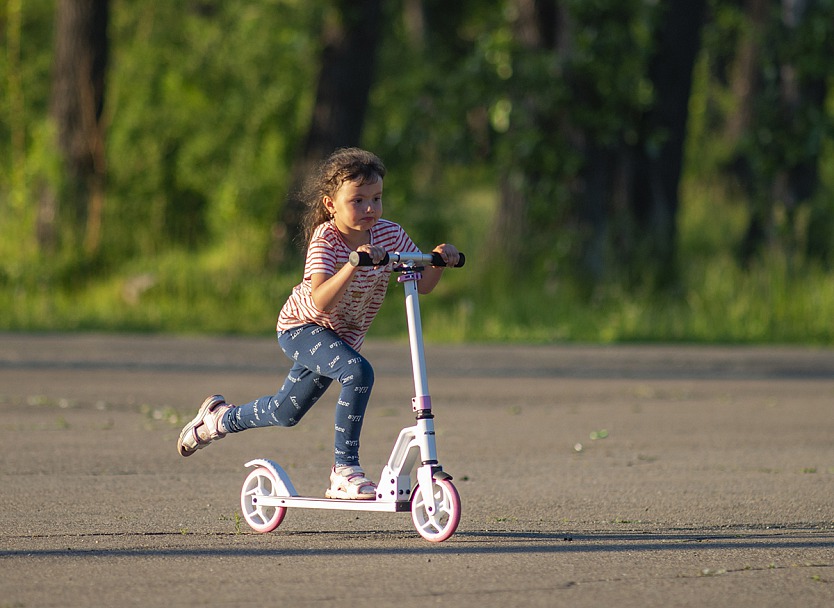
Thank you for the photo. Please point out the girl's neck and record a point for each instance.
(354, 238)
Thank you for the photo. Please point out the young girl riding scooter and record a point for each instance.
(323, 324)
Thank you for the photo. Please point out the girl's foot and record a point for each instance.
(205, 427)
(350, 483)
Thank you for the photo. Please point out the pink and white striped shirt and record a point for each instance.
(326, 254)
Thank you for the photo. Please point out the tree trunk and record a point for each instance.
(76, 107)
(654, 199)
(347, 71)
(744, 78)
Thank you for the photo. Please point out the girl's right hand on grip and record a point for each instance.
(363, 258)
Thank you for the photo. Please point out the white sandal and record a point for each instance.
(350, 483)
(209, 415)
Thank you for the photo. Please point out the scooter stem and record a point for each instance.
(422, 400)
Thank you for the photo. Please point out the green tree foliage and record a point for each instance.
(505, 124)
(532, 111)
(430, 109)
(25, 141)
(772, 58)
(780, 153)
(207, 104)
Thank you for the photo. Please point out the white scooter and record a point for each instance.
(434, 501)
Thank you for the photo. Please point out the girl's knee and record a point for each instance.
(360, 374)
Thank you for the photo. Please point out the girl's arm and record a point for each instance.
(327, 289)
(432, 274)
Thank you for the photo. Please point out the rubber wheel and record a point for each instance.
(260, 482)
(439, 526)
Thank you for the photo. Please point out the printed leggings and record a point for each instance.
(319, 357)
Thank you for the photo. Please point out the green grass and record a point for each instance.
(173, 293)
(715, 302)
(776, 299)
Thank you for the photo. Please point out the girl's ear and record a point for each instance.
(328, 204)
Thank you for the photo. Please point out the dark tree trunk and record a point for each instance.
(81, 50)
(345, 79)
(654, 199)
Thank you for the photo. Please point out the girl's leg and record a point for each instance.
(300, 391)
(320, 357)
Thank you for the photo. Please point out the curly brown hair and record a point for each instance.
(345, 164)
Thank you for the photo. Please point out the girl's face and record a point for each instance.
(355, 207)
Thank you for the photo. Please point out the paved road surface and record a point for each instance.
(710, 480)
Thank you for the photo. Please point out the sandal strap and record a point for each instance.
(355, 476)
(212, 420)
(360, 480)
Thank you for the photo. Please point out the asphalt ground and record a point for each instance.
(625, 476)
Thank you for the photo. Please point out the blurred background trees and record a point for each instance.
(558, 140)
(76, 105)
(349, 41)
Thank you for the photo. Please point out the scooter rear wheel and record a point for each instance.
(436, 525)
(260, 482)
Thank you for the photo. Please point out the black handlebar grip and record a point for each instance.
(361, 258)
(437, 260)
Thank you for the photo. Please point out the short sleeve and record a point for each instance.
(321, 258)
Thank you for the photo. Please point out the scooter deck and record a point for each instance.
(305, 502)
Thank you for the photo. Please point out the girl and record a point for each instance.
(323, 323)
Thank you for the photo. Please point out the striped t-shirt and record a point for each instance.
(326, 254)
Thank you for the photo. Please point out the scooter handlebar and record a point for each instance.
(361, 258)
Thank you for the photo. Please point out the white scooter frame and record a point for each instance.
(268, 492)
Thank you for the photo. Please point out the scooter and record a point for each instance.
(433, 501)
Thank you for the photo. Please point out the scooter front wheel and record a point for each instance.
(261, 482)
(436, 524)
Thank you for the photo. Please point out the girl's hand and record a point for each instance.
(376, 252)
(449, 253)
(432, 274)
